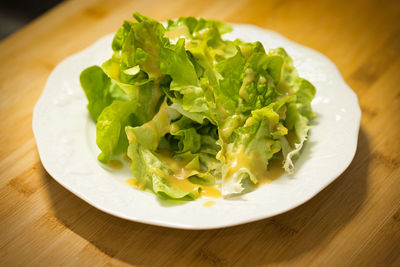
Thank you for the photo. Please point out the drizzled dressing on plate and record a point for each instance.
(179, 178)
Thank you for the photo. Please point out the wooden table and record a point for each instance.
(354, 221)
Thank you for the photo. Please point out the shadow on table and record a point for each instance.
(278, 239)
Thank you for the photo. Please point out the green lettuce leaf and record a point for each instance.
(289, 151)
(254, 144)
(96, 86)
(110, 134)
(149, 134)
(120, 36)
(298, 116)
(185, 89)
(149, 170)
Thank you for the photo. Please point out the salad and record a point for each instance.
(195, 112)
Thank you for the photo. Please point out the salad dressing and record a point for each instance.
(208, 204)
(175, 165)
(132, 182)
(182, 184)
(135, 183)
(253, 163)
(236, 162)
(180, 180)
(208, 191)
(126, 158)
(115, 164)
(248, 78)
(163, 119)
(291, 138)
(151, 125)
(156, 93)
(274, 171)
(266, 175)
(159, 126)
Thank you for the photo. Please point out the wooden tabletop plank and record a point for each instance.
(355, 221)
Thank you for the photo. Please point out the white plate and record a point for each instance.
(65, 137)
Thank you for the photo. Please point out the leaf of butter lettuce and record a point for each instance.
(135, 65)
(110, 107)
(100, 90)
(146, 167)
(185, 139)
(110, 134)
(150, 171)
(301, 128)
(148, 135)
(139, 44)
(248, 82)
(254, 144)
(195, 25)
(135, 69)
(96, 86)
(185, 90)
(299, 113)
(204, 46)
(298, 116)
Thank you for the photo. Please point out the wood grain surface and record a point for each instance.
(353, 222)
